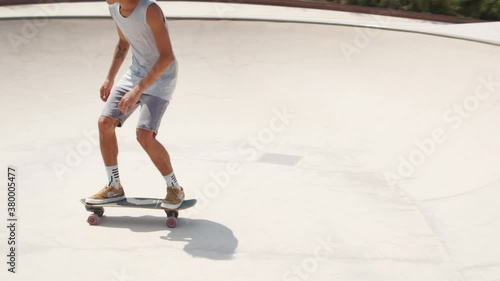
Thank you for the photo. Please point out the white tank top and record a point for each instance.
(144, 52)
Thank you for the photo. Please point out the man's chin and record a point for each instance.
(110, 2)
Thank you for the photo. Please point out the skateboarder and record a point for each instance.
(149, 84)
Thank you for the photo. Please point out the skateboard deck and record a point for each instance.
(137, 202)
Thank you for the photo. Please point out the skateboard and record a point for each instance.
(137, 202)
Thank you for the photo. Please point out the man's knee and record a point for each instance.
(145, 137)
(107, 124)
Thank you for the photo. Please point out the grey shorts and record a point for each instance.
(151, 113)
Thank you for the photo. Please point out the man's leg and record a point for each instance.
(110, 118)
(161, 159)
(109, 149)
(152, 112)
(107, 140)
(155, 150)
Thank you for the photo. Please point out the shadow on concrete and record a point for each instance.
(204, 238)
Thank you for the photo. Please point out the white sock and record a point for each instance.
(172, 181)
(113, 176)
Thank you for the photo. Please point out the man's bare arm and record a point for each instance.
(155, 20)
(119, 56)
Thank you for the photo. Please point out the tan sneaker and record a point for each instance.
(174, 198)
(107, 195)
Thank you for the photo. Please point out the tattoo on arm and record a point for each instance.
(120, 53)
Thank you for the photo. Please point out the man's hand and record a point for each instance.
(106, 89)
(129, 100)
